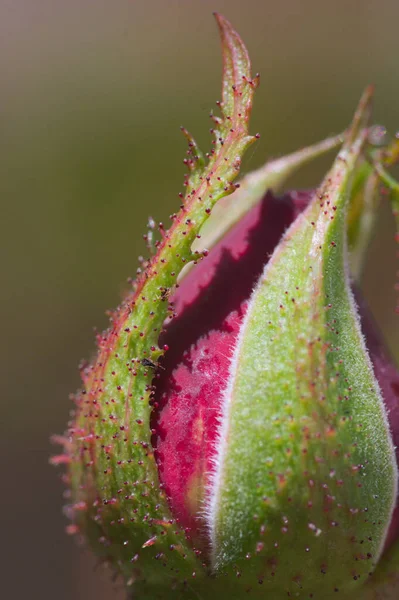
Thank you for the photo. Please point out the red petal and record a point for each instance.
(210, 304)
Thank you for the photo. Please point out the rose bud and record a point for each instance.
(235, 434)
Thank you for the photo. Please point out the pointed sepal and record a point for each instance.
(305, 476)
(116, 500)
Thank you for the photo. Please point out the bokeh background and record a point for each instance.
(92, 97)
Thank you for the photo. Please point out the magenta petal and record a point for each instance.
(210, 304)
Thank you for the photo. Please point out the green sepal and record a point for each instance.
(306, 477)
(117, 501)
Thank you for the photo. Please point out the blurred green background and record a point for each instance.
(92, 97)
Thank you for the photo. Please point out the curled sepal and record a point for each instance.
(117, 501)
(207, 183)
(305, 474)
(236, 75)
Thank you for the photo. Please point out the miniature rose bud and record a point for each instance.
(235, 435)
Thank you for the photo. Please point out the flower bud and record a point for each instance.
(232, 434)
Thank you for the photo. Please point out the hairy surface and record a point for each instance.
(201, 339)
